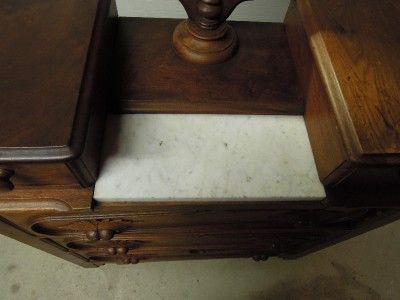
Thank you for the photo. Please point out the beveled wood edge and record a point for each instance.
(70, 155)
(40, 154)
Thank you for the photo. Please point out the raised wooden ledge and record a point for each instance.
(151, 78)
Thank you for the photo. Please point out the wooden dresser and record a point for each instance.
(115, 149)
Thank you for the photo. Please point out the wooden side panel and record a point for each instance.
(40, 84)
(96, 81)
(326, 141)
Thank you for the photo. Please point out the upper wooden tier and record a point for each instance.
(356, 46)
(48, 56)
(54, 58)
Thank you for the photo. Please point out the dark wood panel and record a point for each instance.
(89, 132)
(151, 78)
(53, 69)
(40, 84)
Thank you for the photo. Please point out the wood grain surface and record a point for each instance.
(40, 85)
(49, 76)
(347, 58)
(151, 78)
(356, 47)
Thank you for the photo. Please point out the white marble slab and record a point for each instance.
(207, 157)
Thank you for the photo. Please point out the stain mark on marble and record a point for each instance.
(15, 288)
(161, 143)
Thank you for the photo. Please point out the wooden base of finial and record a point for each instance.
(204, 47)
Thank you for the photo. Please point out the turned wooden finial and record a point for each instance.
(205, 38)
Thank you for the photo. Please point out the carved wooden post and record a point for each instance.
(205, 38)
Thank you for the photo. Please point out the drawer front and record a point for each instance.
(160, 245)
(133, 237)
(106, 226)
(96, 227)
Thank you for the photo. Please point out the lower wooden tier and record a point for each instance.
(132, 233)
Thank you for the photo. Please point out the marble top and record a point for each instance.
(154, 157)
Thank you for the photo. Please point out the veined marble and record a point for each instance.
(155, 157)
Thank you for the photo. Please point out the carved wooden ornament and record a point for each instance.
(205, 38)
